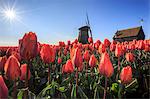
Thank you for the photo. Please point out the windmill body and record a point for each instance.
(83, 34)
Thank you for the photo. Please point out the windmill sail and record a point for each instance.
(88, 24)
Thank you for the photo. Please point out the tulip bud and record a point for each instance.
(39, 48)
(98, 41)
(129, 57)
(90, 40)
(72, 51)
(3, 89)
(92, 61)
(91, 48)
(77, 59)
(126, 75)
(68, 42)
(65, 52)
(107, 43)
(9, 52)
(59, 60)
(23, 72)
(141, 45)
(147, 48)
(47, 53)
(12, 68)
(68, 67)
(105, 66)
(112, 47)
(2, 62)
(28, 47)
(101, 48)
(118, 50)
(86, 56)
(17, 55)
(76, 41)
(96, 45)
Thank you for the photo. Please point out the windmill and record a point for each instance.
(84, 32)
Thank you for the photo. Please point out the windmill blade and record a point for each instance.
(88, 24)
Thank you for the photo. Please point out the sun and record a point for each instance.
(10, 14)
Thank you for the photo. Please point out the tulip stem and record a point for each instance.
(117, 76)
(86, 69)
(48, 74)
(26, 81)
(15, 89)
(71, 84)
(105, 88)
(76, 82)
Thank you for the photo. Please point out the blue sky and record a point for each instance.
(59, 20)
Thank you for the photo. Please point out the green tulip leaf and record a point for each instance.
(73, 92)
(82, 94)
(20, 94)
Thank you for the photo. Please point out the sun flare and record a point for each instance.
(10, 14)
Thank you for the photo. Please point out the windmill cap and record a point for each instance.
(84, 27)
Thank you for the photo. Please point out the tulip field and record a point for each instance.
(100, 69)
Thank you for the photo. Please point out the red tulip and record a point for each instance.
(12, 68)
(114, 42)
(65, 52)
(105, 66)
(54, 54)
(2, 62)
(61, 44)
(101, 48)
(28, 46)
(80, 45)
(72, 52)
(90, 40)
(126, 75)
(96, 45)
(124, 49)
(91, 47)
(17, 55)
(118, 50)
(47, 53)
(76, 41)
(107, 43)
(23, 72)
(98, 41)
(39, 48)
(112, 47)
(9, 52)
(68, 67)
(77, 59)
(134, 41)
(75, 45)
(3, 89)
(147, 48)
(86, 46)
(129, 57)
(92, 61)
(67, 47)
(86, 56)
(68, 42)
(131, 47)
(141, 45)
(59, 60)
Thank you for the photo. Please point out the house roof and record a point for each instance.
(127, 32)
